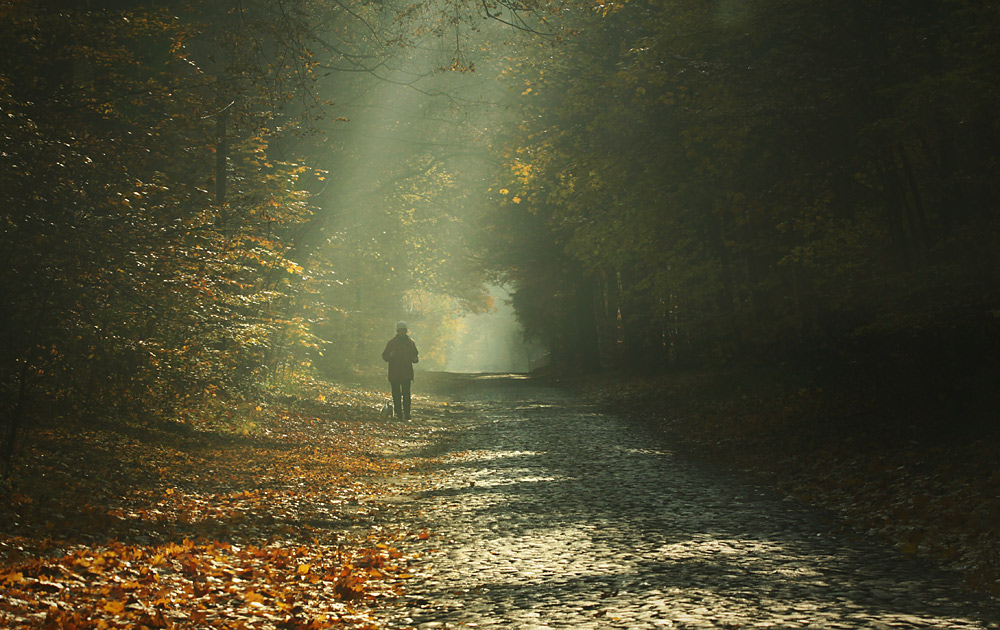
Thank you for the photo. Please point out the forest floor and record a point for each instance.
(276, 520)
(289, 517)
(911, 477)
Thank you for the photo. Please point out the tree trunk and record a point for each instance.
(587, 340)
(642, 338)
(13, 427)
(895, 213)
(221, 160)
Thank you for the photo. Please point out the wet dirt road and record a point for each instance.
(549, 513)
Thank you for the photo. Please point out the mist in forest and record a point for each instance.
(244, 199)
(769, 228)
(493, 342)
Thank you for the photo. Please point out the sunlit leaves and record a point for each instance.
(119, 255)
(277, 529)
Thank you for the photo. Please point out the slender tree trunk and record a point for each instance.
(731, 341)
(221, 160)
(642, 340)
(610, 326)
(15, 419)
(919, 212)
(895, 213)
(585, 312)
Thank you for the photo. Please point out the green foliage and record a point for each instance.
(758, 180)
(148, 225)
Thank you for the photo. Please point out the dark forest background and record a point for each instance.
(769, 181)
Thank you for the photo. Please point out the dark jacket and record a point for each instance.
(401, 354)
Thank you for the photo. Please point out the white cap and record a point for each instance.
(400, 326)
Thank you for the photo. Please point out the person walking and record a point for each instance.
(400, 353)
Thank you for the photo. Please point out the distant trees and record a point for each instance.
(762, 179)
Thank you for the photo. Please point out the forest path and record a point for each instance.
(550, 513)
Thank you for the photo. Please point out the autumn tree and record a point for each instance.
(147, 219)
(176, 231)
(766, 180)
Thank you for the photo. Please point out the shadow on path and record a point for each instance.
(552, 515)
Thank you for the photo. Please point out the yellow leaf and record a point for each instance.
(253, 597)
(304, 568)
(13, 578)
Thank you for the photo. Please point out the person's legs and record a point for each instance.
(397, 393)
(406, 399)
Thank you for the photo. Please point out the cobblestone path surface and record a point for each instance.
(551, 514)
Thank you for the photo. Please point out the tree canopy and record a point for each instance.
(161, 199)
(767, 179)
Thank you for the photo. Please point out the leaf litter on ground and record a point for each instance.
(285, 526)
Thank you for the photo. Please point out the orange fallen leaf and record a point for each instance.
(13, 578)
(253, 597)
